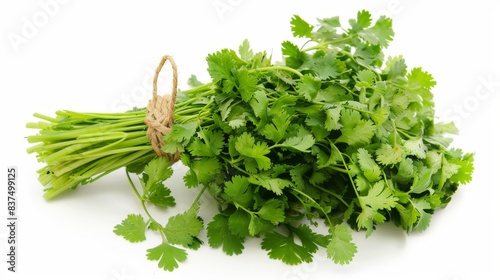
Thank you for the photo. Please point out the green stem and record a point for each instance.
(337, 196)
(316, 205)
(283, 68)
(199, 195)
(348, 174)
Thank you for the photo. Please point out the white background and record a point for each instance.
(98, 56)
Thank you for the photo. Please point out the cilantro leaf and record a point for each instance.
(238, 191)
(247, 84)
(294, 57)
(155, 173)
(202, 171)
(277, 130)
(332, 121)
(408, 215)
(133, 228)
(380, 33)
(273, 211)
(193, 81)
(282, 247)
(245, 51)
(159, 195)
(258, 226)
(182, 228)
(181, 133)
(341, 249)
(424, 217)
(415, 147)
(355, 131)
(157, 170)
(299, 143)
(178, 137)
(221, 64)
(370, 168)
(466, 167)
(239, 223)
(325, 65)
(208, 144)
(168, 256)
(275, 185)
(259, 104)
(389, 155)
(309, 87)
(363, 20)
(421, 82)
(379, 197)
(219, 234)
(253, 152)
(422, 182)
(300, 28)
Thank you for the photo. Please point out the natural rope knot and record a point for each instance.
(160, 112)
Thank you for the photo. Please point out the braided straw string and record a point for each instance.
(160, 112)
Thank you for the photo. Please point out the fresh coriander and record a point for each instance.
(336, 133)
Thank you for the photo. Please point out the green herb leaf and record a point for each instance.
(133, 228)
(219, 234)
(182, 228)
(168, 256)
(341, 249)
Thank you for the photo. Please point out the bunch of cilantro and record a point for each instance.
(334, 134)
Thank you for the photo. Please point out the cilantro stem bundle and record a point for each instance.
(335, 133)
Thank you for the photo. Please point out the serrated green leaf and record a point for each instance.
(133, 228)
(332, 121)
(309, 87)
(273, 211)
(380, 197)
(253, 152)
(415, 147)
(238, 191)
(221, 64)
(193, 81)
(424, 217)
(202, 171)
(182, 228)
(209, 143)
(160, 195)
(294, 57)
(245, 51)
(465, 170)
(355, 131)
(380, 33)
(247, 84)
(408, 215)
(390, 155)
(259, 104)
(299, 143)
(275, 185)
(370, 168)
(363, 20)
(300, 28)
(422, 182)
(276, 130)
(168, 256)
(157, 170)
(341, 249)
(181, 133)
(281, 247)
(219, 234)
(421, 82)
(259, 226)
(239, 223)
